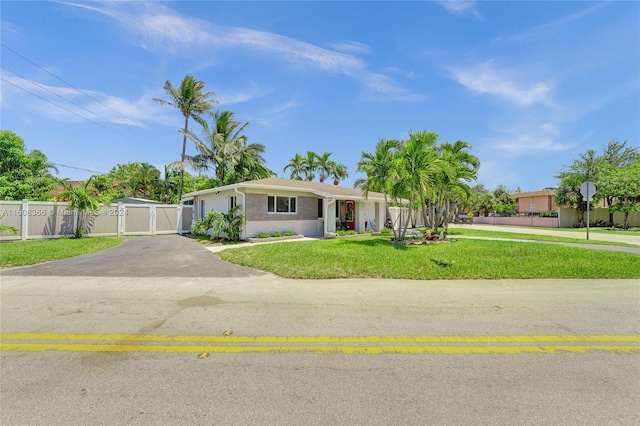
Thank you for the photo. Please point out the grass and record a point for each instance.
(21, 253)
(374, 257)
(630, 231)
(532, 237)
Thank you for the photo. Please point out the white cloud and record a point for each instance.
(354, 47)
(502, 83)
(245, 95)
(160, 27)
(553, 25)
(524, 140)
(460, 7)
(385, 88)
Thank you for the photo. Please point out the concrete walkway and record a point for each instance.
(632, 238)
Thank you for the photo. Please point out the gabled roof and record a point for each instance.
(323, 190)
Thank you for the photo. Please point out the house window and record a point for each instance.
(202, 209)
(320, 209)
(233, 201)
(276, 204)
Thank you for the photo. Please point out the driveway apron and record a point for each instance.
(154, 256)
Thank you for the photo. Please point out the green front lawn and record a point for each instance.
(21, 253)
(374, 257)
(531, 237)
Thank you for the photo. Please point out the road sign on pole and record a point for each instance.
(587, 190)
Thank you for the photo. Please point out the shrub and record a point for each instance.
(385, 231)
(262, 235)
(288, 233)
(598, 223)
(362, 231)
(276, 234)
(200, 227)
(341, 232)
(351, 232)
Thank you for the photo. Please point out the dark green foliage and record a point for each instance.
(23, 175)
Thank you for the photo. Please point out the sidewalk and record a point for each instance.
(580, 234)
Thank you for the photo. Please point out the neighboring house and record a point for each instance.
(536, 201)
(309, 208)
(131, 200)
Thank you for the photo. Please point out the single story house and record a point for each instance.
(312, 209)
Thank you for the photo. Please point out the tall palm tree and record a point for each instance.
(310, 165)
(296, 164)
(190, 99)
(453, 187)
(421, 167)
(379, 167)
(323, 166)
(250, 164)
(224, 148)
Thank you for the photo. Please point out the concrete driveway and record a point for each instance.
(156, 256)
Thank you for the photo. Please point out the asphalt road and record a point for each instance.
(290, 359)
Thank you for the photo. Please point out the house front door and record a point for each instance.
(350, 214)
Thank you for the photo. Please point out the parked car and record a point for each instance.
(464, 218)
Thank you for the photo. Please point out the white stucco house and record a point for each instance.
(312, 209)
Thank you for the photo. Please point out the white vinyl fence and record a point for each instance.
(38, 219)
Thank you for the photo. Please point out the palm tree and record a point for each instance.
(421, 167)
(323, 166)
(337, 171)
(568, 194)
(83, 198)
(144, 180)
(296, 164)
(250, 164)
(224, 148)
(379, 167)
(310, 165)
(453, 187)
(192, 102)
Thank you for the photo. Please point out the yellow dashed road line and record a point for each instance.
(518, 344)
(39, 347)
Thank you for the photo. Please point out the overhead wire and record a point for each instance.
(60, 96)
(60, 106)
(65, 82)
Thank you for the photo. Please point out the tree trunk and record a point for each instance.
(184, 151)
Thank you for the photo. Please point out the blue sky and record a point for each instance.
(529, 84)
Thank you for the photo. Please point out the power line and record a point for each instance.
(78, 168)
(65, 82)
(60, 106)
(62, 97)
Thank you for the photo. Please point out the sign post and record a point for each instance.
(533, 209)
(587, 189)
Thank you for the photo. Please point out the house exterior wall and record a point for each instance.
(544, 203)
(365, 211)
(308, 228)
(256, 208)
(258, 220)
